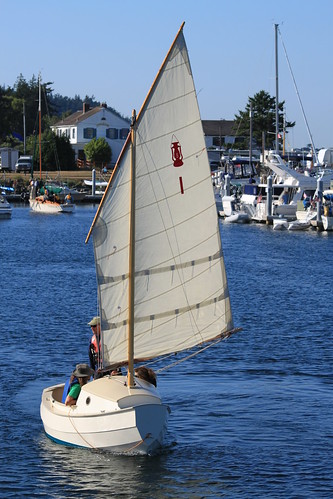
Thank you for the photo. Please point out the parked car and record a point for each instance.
(23, 164)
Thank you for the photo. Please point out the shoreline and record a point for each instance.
(73, 178)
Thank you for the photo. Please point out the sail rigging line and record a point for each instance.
(170, 317)
(299, 98)
(214, 341)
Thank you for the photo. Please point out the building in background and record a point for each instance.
(97, 122)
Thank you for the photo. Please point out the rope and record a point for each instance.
(139, 443)
(95, 448)
(89, 445)
(188, 356)
(223, 336)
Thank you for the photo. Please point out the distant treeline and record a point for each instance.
(22, 100)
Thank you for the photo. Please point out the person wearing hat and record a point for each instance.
(82, 373)
(95, 343)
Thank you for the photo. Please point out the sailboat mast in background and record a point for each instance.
(40, 125)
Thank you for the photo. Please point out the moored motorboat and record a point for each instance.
(238, 217)
(327, 222)
(299, 225)
(5, 207)
(327, 216)
(280, 224)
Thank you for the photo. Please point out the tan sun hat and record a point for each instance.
(83, 371)
(96, 320)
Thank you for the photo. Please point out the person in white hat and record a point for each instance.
(95, 343)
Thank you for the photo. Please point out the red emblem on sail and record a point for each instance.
(177, 156)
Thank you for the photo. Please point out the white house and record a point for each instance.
(82, 126)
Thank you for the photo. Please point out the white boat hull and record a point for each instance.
(50, 207)
(108, 416)
(5, 208)
(5, 212)
(297, 225)
(238, 218)
(327, 222)
(280, 224)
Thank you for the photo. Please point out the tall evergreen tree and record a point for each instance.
(263, 120)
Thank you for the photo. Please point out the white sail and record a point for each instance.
(181, 295)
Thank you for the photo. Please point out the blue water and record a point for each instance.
(251, 417)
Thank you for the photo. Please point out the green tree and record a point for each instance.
(57, 152)
(98, 151)
(5, 112)
(23, 97)
(263, 120)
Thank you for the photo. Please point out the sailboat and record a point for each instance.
(5, 208)
(161, 279)
(42, 203)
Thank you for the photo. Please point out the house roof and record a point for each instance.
(218, 127)
(78, 116)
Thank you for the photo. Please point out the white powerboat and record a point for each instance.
(280, 224)
(327, 216)
(288, 188)
(232, 211)
(298, 225)
(5, 207)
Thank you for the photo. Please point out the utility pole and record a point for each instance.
(24, 133)
(250, 151)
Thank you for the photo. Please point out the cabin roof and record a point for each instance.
(218, 127)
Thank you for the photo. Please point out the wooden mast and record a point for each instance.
(130, 339)
(40, 127)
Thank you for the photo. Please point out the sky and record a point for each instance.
(113, 49)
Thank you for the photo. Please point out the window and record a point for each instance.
(112, 133)
(73, 133)
(218, 141)
(89, 133)
(123, 132)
